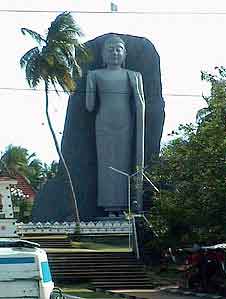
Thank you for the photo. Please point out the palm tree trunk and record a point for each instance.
(61, 156)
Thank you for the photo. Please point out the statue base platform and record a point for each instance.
(101, 226)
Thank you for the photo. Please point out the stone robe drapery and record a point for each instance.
(119, 102)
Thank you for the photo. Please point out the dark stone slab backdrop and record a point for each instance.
(78, 143)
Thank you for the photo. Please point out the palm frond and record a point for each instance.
(65, 80)
(61, 62)
(27, 56)
(54, 84)
(72, 58)
(83, 54)
(32, 157)
(69, 82)
(64, 55)
(58, 62)
(65, 29)
(54, 56)
(76, 70)
(33, 70)
(35, 35)
(31, 61)
(35, 164)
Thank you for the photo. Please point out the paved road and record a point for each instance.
(159, 294)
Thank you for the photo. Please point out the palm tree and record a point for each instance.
(49, 171)
(17, 160)
(55, 62)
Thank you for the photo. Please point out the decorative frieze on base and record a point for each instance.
(92, 227)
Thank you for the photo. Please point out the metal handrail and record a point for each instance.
(137, 251)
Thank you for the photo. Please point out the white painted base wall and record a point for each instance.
(8, 228)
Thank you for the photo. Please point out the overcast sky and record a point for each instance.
(188, 35)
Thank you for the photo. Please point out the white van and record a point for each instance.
(24, 271)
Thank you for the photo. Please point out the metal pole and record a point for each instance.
(119, 171)
(129, 208)
(135, 238)
(150, 182)
(129, 198)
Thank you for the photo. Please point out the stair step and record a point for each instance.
(115, 282)
(93, 256)
(103, 282)
(52, 243)
(95, 274)
(123, 286)
(118, 282)
(104, 270)
(96, 262)
(96, 265)
(93, 260)
(98, 269)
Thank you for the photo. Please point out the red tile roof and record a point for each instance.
(25, 187)
(6, 178)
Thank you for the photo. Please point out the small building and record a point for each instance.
(22, 197)
(24, 185)
(7, 220)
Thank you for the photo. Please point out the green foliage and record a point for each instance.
(21, 206)
(56, 62)
(17, 160)
(55, 59)
(50, 171)
(194, 164)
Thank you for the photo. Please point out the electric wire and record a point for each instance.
(80, 92)
(148, 12)
(110, 12)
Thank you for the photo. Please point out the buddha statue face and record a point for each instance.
(114, 52)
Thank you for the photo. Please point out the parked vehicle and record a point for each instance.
(24, 271)
(24, 268)
(204, 269)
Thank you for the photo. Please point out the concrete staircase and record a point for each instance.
(103, 270)
(56, 242)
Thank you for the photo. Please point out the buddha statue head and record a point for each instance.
(114, 52)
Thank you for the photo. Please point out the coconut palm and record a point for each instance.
(49, 171)
(55, 62)
(17, 160)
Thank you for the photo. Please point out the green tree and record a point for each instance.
(15, 161)
(21, 206)
(18, 161)
(194, 163)
(54, 62)
(50, 171)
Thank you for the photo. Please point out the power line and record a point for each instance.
(207, 12)
(61, 91)
(182, 95)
